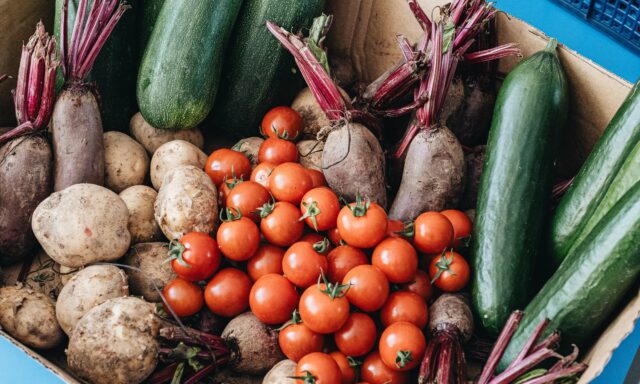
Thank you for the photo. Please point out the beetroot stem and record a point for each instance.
(164, 375)
(495, 53)
(550, 341)
(445, 357)
(531, 342)
(524, 365)
(36, 77)
(20, 93)
(3, 78)
(551, 377)
(64, 37)
(418, 12)
(78, 28)
(500, 346)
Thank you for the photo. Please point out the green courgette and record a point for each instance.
(593, 180)
(258, 74)
(515, 186)
(591, 281)
(181, 66)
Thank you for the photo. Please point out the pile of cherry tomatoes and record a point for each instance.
(332, 277)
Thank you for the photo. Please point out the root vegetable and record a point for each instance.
(153, 271)
(30, 317)
(42, 276)
(187, 202)
(470, 121)
(310, 154)
(90, 287)
(115, 342)
(454, 101)
(152, 138)
(142, 223)
(250, 146)
(281, 373)
(66, 273)
(172, 155)
(313, 117)
(82, 224)
(125, 161)
(474, 163)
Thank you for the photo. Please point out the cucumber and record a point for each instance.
(180, 70)
(147, 20)
(515, 186)
(593, 179)
(591, 281)
(258, 73)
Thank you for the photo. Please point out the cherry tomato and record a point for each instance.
(348, 372)
(318, 368)
(227, 293)
(225, 188)
(226, 163)
(433, 232)
(362, 226)
(261, 173)
(393, 227)
(374, 371)
(317, 178)
(184, 297)
(282, 123)
(357, 336)
(272, 299)
(321, 312)
(402, 346)
(312, 238)
(369, 287)
(334, 236)
(320, 207)
(196, 256)
(461, 225)
(289, 182)
(277, 151)
(404, 306)
(342, 259)
(302, 264)
(297, 340)
(266, 260)
(396, 258)
(449, 271)
(238, 239)
(420, 285)
(280, 224)
(247, 197)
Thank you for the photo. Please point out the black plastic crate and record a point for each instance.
(621, 18)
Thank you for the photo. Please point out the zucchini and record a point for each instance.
(180, 70)
(515, 186)
(591, 282)
(258, 73)
(594, 178)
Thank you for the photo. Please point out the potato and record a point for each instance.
(142, 225)
(250, 147)
(174, 154)
(66, 273)
(149, 258)
(313, 117)
(152, 138)
(43, 276)
(82, 224)
(90, 287)
(115, 342)
(30, 317)
(311, 153)
(186, 202)
(281, 373)
(125, 161)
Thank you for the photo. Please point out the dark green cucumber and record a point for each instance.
(114, 70)
(258, 73)
(181, 66)
(147, 20)
(515, 186)
(591, 282)
(594, 178)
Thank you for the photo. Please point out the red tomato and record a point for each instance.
(280, 224)
(357, 336)
(397, 259)
(195, 256)
(321, 312)
(282, 123)
(247, 198)
(449, 271)
(433, 232)
(297, 341)
(342, 259)
(320, 207)
(184, 297)
(405, 306)
(261, 173)
(402, 346)
(318, 368)
(334, 236)
(272, 299)
(420, 285)
(277, 151)
(369, 287)
(317, 178)
(393, 227)
(226, 163)
(227, 293)
(302, 264)
(461, 224)
(374, 371)
(225, 188)
(266, 260)
(362, 226)
(347, 370)
(238, 239)
(289, 182)
(312, 238)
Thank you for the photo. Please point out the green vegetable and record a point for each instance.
(258, 73)
(147, 20)
(591, 281)
(593, 180)
(515, 186)
(180, 70)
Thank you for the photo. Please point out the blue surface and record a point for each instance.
(17, 367)
(617, 369)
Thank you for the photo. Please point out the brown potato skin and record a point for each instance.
(310, 153)
(172, 155)
(152, 138)
(281, 373)
(126, 161)
(250, 146)
(25, 180)
(149, 258)
(142, 223)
